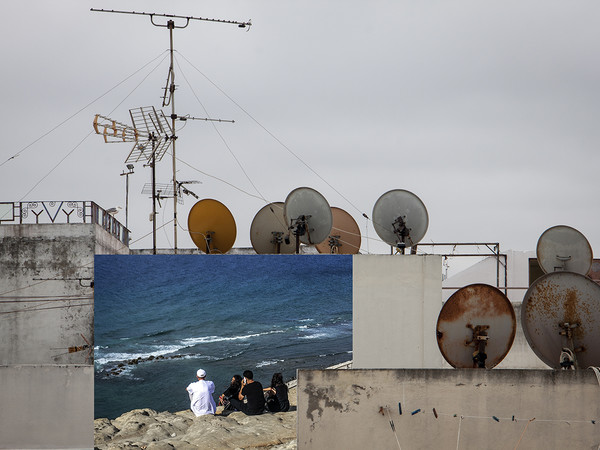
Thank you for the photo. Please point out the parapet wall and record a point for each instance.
(448, 409)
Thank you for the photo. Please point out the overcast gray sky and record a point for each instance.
(487, 111)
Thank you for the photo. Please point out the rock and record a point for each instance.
(147, 429)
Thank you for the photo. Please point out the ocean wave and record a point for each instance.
(189, 342)
(269, 363)
(122, 356)
(317, 335)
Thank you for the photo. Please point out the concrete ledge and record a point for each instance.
(353, 409)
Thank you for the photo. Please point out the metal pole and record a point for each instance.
(127, 201)
(153, 196)
(171, 26)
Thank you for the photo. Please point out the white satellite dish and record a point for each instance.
(400, 218)
(560, 315)
(269, 233)
(562, 248)
(308, 215)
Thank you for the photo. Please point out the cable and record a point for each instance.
(271, 134)
(80, 110)
(458, 435)
(87, 135)
(525, 429)
(42, 309)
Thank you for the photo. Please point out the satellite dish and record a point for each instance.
(400, 218)
(562, 248)
(269, 232)
(476, 327)
(561, 310)
(308, 215)
(211, 226)
(344, 237)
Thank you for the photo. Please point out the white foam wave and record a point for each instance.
(269, 363)
(116, 357)
(210, 339)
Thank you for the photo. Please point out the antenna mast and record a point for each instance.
(169, 95)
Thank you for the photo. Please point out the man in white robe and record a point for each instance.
(201, 398)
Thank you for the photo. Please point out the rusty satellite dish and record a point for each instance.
(562, 248)
(308, 215)
(561, 320)
(344, 237)
(211, 226)
(400, 218)
(269, 232)
(476, 327)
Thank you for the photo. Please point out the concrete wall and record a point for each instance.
(46, 272)
(341, 409)
(396, 302)
(47, 306)
(46, 406)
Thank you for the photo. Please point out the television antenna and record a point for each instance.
(151, 135)
(169, 90)
(165, 190)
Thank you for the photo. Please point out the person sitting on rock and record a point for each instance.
(253, 391)
(201, 398)
(277, 395)
(232, 391)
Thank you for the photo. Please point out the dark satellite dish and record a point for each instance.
(562, 248)
(308, 215)
(561, 320)
(476, 327)
(344, 237)
(269, 232)
(400, 218)
(212, 226)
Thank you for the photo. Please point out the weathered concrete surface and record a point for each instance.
(148, 429)
(46, 270)
(333, 405)
(46, 406)
(46, 391)
(396, 300)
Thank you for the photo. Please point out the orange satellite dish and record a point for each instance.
(344, 237)
(212, 226)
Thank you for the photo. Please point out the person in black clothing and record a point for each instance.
(277, 395)
(232, 391)
(253, 391)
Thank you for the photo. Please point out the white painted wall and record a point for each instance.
(396, 302)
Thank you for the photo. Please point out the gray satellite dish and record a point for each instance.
(476, 327)
(561, 320)
(269, 232)
(308, 215)
(400, 218)
(562, 248)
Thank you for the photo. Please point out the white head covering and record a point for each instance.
(201, 373)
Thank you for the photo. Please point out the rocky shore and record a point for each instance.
(151, 430)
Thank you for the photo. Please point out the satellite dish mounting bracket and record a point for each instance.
(479, 341)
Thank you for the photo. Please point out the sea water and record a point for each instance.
(221, 313)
